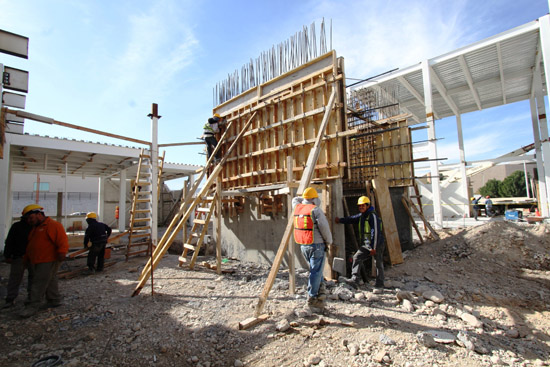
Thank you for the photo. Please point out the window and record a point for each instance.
(44, 186)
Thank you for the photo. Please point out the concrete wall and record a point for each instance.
(25, 182)
(248, 237)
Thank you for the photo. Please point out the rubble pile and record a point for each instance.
(478, 297)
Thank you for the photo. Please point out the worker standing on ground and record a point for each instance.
(475, 208)
(48, 245)
(489, 207)
(211, 128)
(16, 245)
(98, 233)
(312, 233)
(371, 240)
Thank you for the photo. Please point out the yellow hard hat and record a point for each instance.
(363, 200)
(91, 215)
(472, 198)
(31, 208)
(310, 193)
(217, 115)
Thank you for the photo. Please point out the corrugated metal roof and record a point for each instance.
(488, 73)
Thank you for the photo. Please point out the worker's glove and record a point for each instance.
(61, 257)
(336, 220)
(372, 252)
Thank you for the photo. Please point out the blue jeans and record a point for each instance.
(315, 256)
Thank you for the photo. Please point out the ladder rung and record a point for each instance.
(141, 219)
(145, 156)
(182, 259)
(140, 211)
(195, 235)
(143, 183)
(189, 246)
(142, 200)
(204, 210)
(140, 235)
(199, 221)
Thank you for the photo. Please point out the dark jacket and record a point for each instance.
(96, 232)
(16, 242)
(375, 237)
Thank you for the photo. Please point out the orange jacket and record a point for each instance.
(46, 242)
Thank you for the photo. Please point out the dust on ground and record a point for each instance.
(477, 297)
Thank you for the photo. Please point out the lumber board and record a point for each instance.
(426, 223)
(406, 206)
(251, 321)
(304, 182)
(383, 198)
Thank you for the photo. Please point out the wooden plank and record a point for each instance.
(383, 198)
(406, 206)
(251, 321)
(426, 223)
(292, 249)
(304, 181)
(219, 225)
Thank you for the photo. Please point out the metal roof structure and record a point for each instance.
(506, 68)
(492, 72)
(46, 155)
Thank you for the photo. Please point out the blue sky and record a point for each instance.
(101, 64)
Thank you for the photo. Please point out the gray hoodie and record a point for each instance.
(321, 227)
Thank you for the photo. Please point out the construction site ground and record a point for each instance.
(478, 297)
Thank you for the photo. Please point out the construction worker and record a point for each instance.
(475, 206)
(312, 233)
(16, 245)
(371, 240)
(489, 207)
(98, 234)
(211, 128)
(48, 245)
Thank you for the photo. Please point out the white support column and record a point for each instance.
(543, 199)
(432, 146)
(464, 186)
(5, 192)
(122, 202)
(154, 174)
(101, 198)
(543, 126)
(545, 50)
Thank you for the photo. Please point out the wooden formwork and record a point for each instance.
(290, 110)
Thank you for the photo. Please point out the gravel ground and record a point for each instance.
(477, 297)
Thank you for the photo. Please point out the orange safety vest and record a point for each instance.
(303, 224)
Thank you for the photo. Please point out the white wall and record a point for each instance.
(25, 182)
(451, 200)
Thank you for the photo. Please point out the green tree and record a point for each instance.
(513, 185)
(491, 188)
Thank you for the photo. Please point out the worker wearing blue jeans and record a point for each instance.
(312, 233)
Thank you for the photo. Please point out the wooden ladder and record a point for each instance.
(187, 206)
(139, 234)
(203, 213)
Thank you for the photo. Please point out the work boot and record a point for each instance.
(28, 312)
(8, 304)
(50, 304)
(315, 304)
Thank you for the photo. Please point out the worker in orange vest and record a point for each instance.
(312, 233)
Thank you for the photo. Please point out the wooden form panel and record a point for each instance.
(290, 110)
(381, 150)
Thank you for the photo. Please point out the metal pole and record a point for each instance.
(154, 179)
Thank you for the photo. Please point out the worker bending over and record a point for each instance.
(98, 233)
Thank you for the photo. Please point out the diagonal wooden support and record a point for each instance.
(406, 206)
(304, 182)
(426, 223)
(190, 204)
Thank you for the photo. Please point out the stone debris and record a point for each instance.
(477, 297)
